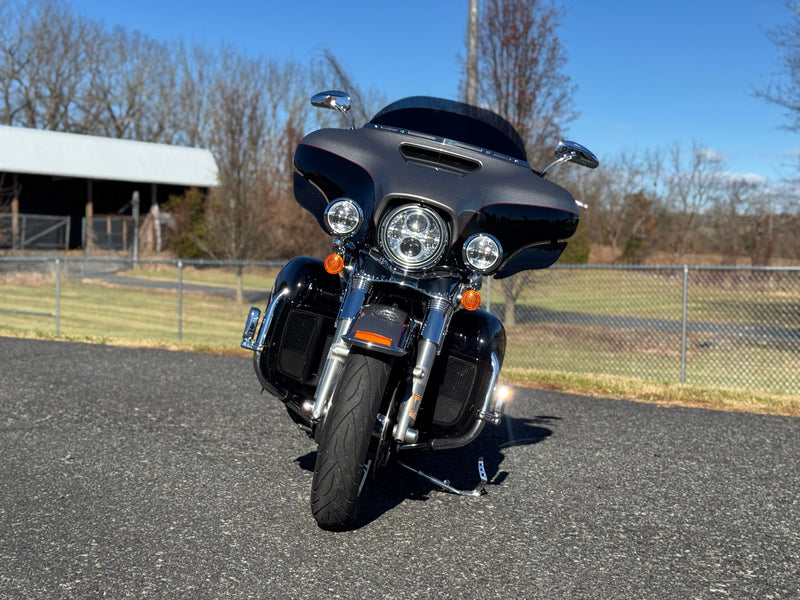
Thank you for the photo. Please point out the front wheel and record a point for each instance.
(344, 443)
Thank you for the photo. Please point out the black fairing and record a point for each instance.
(454, 121)
(301, 330)
(465, 162)
(461, 375)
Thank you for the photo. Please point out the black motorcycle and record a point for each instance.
(381, 348)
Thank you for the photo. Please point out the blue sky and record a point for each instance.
(648, 74)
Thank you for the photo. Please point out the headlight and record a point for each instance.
(413, 236)
(343, 216)
(482, 252)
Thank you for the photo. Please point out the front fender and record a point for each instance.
(381, 328)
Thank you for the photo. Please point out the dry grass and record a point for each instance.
(668, 394)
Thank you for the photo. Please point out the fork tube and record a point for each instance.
(433, 332)
(354, 300)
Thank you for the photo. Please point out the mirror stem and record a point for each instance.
(557, 161)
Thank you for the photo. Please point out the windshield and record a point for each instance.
(455, 121)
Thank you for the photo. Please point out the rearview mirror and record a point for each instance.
(574, 152)
(336, 99)
(568, 151)
(332, 99)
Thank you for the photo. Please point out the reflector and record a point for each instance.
(374, 338)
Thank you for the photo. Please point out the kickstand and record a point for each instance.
(445, 485)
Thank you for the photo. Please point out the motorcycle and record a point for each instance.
(381, 349)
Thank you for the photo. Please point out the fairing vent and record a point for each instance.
(439, 160)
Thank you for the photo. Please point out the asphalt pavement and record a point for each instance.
(134, 473)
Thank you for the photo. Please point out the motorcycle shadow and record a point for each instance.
(394, 485)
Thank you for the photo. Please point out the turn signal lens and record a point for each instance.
(334, 263)
(471, 300)
(373, 338)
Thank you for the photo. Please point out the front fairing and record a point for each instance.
(475, 189)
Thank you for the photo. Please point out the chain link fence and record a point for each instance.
(719, 326)
(108, 232)
(34, 232)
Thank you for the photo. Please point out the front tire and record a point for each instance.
(344, 444)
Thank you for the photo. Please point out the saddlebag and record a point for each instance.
(300, 321)
(461, 375)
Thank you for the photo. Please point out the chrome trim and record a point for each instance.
(492, 410)
(342, 234)
(485, 414)
(428, 346)
(267, 322)
(250, 327)
(491, 267)
(401, 262)
(257, 346)
(357, 293)
(448, 142)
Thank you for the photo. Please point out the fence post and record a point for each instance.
(683, 321)
(58, 295)
(180, 298)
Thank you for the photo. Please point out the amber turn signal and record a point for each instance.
(373, 338)
(471, 300)
(334, 263)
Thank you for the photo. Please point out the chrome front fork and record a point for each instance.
(440, 310)
(430, 341)
(356, 296)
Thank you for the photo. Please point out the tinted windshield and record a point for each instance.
(453, 120)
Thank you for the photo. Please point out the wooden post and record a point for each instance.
(14, 222)
(89, 216)
(15, 215)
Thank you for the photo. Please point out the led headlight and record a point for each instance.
(413, 237)
(343, 216)
(482, 252)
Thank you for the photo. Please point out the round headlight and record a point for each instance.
(413, 237)
(482, 252)
(343, 216)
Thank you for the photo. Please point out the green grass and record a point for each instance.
(639, 365)
(713, 296)
(253, 277)
(93, 311)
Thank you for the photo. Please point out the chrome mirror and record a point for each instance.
(568, 151)
(335, 99)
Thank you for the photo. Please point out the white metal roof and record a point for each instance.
(90, 157)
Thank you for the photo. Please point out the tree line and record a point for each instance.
(64, 72)
(671, 204)
(61, 71)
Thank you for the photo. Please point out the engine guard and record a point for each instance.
(296, 330)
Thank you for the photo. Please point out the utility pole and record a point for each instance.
(472, 54)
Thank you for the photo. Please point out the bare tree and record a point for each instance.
(520, 77)
(783, 88)
(692, 179)
(328, 72)
(42, 62)
(520, 71)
